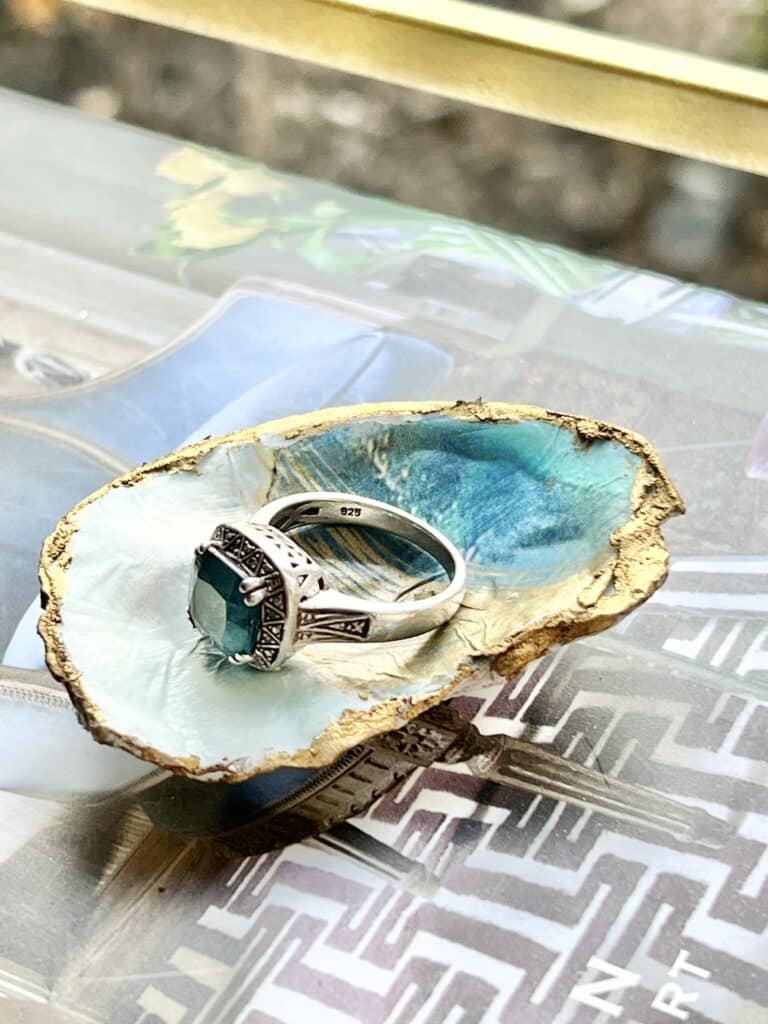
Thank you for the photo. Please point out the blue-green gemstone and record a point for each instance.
(218, 609)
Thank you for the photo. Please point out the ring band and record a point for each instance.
(259, 596)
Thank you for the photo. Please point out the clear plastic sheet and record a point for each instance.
(452, 895)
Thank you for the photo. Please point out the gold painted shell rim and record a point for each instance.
(639, 569)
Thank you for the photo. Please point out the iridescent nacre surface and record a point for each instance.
(557, 516)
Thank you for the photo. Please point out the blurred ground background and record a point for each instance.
(643, 208)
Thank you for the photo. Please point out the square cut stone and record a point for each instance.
(218, 609)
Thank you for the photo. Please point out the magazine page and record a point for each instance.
(457, 895)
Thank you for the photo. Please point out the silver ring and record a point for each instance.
(258, 596)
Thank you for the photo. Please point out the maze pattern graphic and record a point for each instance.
(519, 892)
(500, 899)
(491, 903)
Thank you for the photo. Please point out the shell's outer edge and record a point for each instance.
(640, 568)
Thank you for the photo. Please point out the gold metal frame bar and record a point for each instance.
(539, 68)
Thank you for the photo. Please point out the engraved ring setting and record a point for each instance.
(258, 596)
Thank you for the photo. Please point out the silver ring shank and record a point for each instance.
(324, 615)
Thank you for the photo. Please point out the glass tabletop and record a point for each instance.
(133, 323)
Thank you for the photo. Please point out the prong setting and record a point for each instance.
(254, 590)
(244, 594)
(240, 659)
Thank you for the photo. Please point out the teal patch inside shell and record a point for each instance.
(527, 503)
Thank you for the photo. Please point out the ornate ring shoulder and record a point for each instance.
(258, 596)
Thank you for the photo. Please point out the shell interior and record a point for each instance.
(531, 502)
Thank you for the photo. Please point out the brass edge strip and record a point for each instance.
(595, 82)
